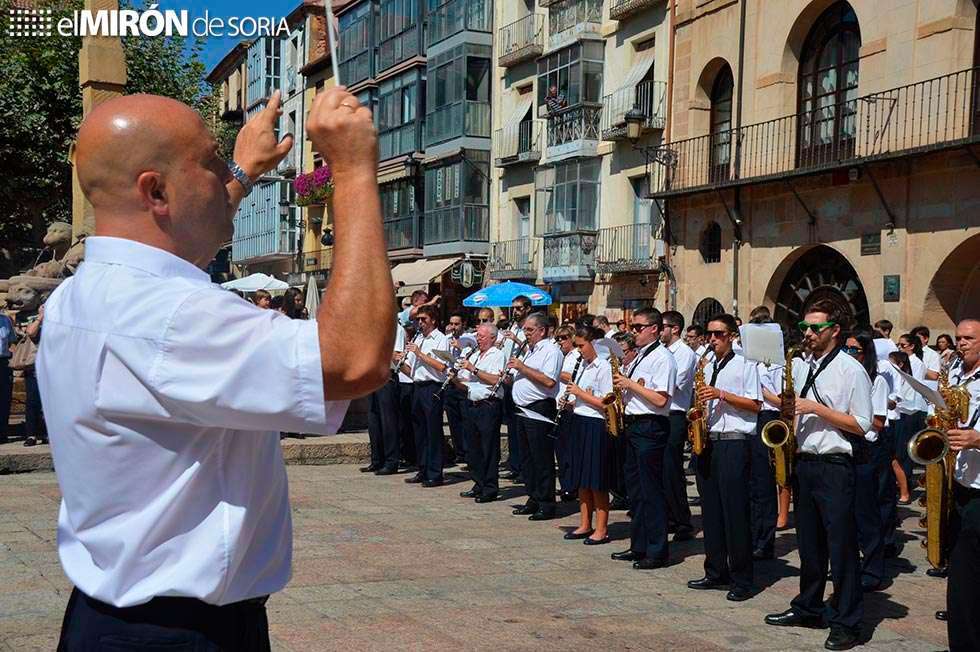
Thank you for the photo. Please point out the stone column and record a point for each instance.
(102, 76)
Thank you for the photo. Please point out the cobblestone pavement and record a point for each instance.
(381, 565)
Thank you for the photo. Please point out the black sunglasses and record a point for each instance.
(561, 338)
(716, 333)
(636, 328)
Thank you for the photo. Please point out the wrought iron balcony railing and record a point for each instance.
(514, 259)
(938, 113)
(574, 131)
(319, 259)
(627, 248)
(620, 9)
(649, 97)
(569, 257)
(466, 223)
(520, 143)
(404, 232)
(521, 40)
(456, 16)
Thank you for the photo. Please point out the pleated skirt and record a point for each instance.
(589, 454)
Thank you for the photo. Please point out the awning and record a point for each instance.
(520, 111)
(641, 66)
(417, 274)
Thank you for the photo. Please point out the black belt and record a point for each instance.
(4, 361)
(964, 493)
(637, 418)
(485, 401)
(676, 412)
(426, 383)
(828, 458)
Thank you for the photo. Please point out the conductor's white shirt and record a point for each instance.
(164, 396)
(843, 386)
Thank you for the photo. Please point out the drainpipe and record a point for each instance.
(737, 206)
(670, 284)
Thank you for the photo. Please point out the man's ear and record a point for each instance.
(153, 193)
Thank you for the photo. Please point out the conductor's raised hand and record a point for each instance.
(256, 149)
(343, 132)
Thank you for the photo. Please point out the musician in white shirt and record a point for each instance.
(535, 390)
(428, 373)
(383, 418)
(482, 412)
(509, 340)
(648, 384)
(675, 482)
(564, 338)
(833, 407)
(914, 410)
(165, 394)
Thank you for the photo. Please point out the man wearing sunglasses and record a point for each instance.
(675, 484)
(535, 389)
(833, 409)
(647, 382)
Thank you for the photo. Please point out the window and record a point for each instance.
(710, 246)
(569, 14)
(396, 16)
(522, 213)
(567, 197)
(828, 87)
(478, 79)
(705, 310)
(721, 126)
(571, 76)
(355, 49)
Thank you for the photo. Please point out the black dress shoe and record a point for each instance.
(525, 510)
(648, 564)
(511, 475)
(472, 493)
(415, 479)
(387, 470)
(841, 639)
(589, 541)
(30, 441)
(572, 535)
(738, 595)
(627, 555)
(942, 615)
(792, 618)
(432, 483)
(707, 583)
(618, 504)
(683, 534)
(869, 586)
(568, 496)
(489, 498)
(541, 515)
(936, 572)
(371, 468)
(762, 555)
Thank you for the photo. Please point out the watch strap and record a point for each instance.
(240, 175)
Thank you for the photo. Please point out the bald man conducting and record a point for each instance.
(165, 394)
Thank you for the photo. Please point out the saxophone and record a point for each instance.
(614, 405)
(930, 447)
(780, 434)
(697, 416)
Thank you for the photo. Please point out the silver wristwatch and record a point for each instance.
(241, 176)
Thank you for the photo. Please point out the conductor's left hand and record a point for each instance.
(256, 149)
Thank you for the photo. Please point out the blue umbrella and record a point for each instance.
(503, 294)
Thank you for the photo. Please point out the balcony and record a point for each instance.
(622, 9)
(465, 118)
(521, 40)
(514, 259)
(569, 257)
(456, 16)
(520, 143)
(573, 132)
(398, 141)
(264, 246)
(398, 48)
(318, 260)
(648, 97)
(571, 20)
(457, 229)
(627, 248)
(404, 233)
(935, 114)
(546, 3)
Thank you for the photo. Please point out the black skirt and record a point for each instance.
(589, 453)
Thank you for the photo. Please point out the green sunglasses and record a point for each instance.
(816, 328)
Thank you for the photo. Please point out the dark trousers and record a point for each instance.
(406, 429)
(481, 423)
(453, 400)
(963, 584)
(620, 449)
(6, 395)
(383, 423)
(762, 489)
(33, 415)
(908, 425)
(646, 443)
(563, 452)
(514, 457)
(722, 474)
(538, 449)
(887, 487)
(825, 532)
(675, 483)
(873, 459)
(427, 424)
(172, 624)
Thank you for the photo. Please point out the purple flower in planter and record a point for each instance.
(303, 184)
(322, 175)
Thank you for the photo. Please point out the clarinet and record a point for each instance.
(564, 400)
(506, 373)
(453, 371)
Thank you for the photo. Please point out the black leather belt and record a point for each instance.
(636, 418)
(426, 383)
(828, 458)
(490, 400)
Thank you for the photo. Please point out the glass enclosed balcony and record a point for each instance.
(570, 20)
(449, 18)
(463, 118)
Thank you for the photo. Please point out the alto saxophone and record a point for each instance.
(780, 434)
(613, 401)
(697, 416)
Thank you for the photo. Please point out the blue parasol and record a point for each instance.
(503, 294)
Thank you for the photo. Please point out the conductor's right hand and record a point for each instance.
(343, 132)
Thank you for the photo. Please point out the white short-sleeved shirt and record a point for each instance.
(686, 362)
(887, 369)
(933, 362)
(844, 386)
(595, 378)
(879, 404)
(912, 401)
(436, 340)
(567, 366)
(490, 361)
(164, 396)
(883, 347)
(771, 379)
(700, 350)
(400, 336)
(967, 470)
(547, 358)
(658, 370)
(739, 377)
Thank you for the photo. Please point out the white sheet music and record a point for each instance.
(763, 343)
(930, 394)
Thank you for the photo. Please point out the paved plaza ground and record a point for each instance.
(381, 565)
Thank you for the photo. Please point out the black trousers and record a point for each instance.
(963, 583)
(538, 452)
(453, 400)
(33, 414)
(6, 395)
(762, 489)
(427, 424)
(619, 451)
(722, 474)
(172, 624)
(646, 442)
(675, 483)
(383, 424)
(887, 487)
(514, 457)
(872, 459)
(826, 532)
(406, 428)
(481, 423)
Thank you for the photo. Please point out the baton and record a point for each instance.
(332, 40)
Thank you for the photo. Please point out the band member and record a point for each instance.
(963, 587)
(453, 397)
(520, 308)
(383, 417)
(427, 373)
(482, 412)
(535, 389)
(564, 338)
(833, 409)
(648, 384)
(620, 499)
(872, 470)
(590, 446)
(913, 410)
(733, 395)
(763, 502)
(406, 390)
(675, 484)
(695, 339)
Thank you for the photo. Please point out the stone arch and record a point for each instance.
(954, 291)
(811, 273)
(701, 101)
